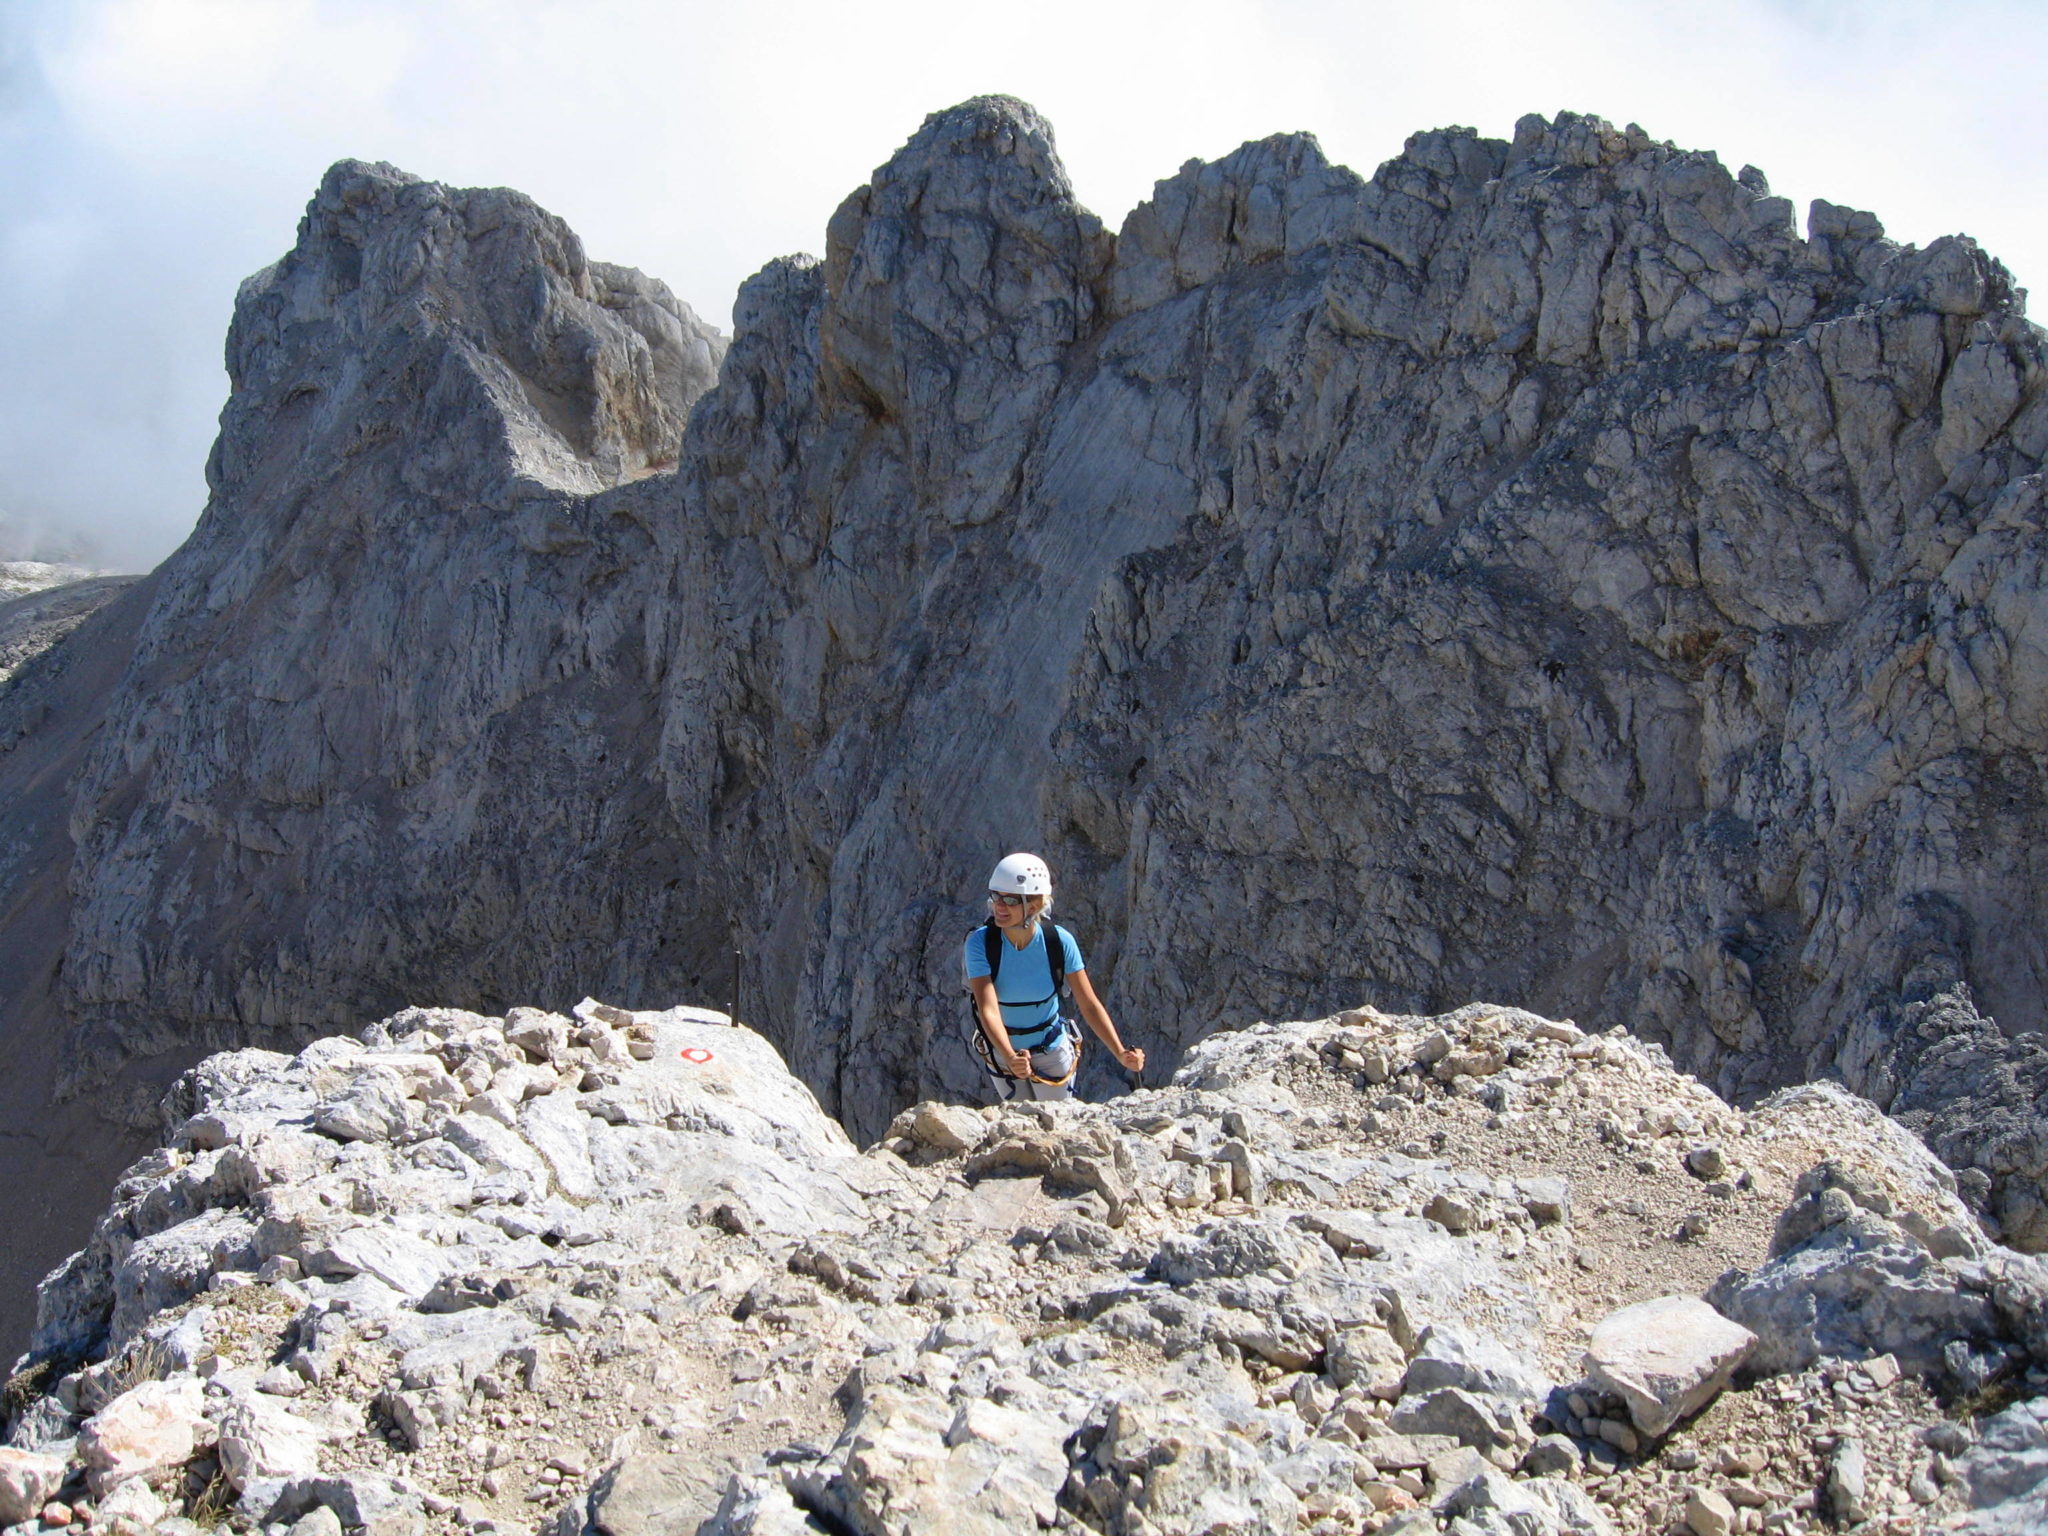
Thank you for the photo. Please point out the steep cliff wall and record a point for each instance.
(387, 719)
(1534, 571)
(391, 717)
(57, 1152)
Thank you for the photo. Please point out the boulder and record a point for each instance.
(260, 1439)
(1449, 1356)
(133, 1506)
(1480, 1420)
(648, 1494)
(906, 1466)
(317, 1521)
(752, 1508)
(1849, 1481)
(1666, 1359)
(948, 1129)
(1708, 1512)
(1851, 1275)
(1547, 1200)
(1367, 1356)
(373, 1108)
(409, 1265)
(544, 1037)
(1187, 1477)
(146, 1429)
(1490, 1501)
(2008, 1466)
(1552, 1456)
(28, 1480)
(366, 1503)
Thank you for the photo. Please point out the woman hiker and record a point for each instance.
(1016, 982)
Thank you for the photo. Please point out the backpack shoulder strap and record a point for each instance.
(993, 946)
(1056, 957)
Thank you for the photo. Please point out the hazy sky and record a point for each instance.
(154, 152)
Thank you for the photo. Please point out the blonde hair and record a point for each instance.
(1036, 907)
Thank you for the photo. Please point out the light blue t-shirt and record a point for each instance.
(1031, 1013)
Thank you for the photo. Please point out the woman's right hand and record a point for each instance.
(1020, 1064)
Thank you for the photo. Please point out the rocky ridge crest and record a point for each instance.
(616, 1272)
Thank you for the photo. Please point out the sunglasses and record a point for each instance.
(1004, 899)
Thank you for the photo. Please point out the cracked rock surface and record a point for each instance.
(616, 1272)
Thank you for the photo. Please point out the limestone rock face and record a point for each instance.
(1537, 570)
(968, 235)
(402, 636)
(1961, 1082)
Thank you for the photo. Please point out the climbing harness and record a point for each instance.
(986, 1055)
(993, 945)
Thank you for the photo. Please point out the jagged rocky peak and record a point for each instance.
(1583, 403)
(592, 367)
(1568, 282)
(400, 551)
(955, 282)
(1269, 199)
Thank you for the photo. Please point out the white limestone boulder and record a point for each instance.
(372, 1108)
(1666, 1359)
(134, 1506)
(949, 1130)
(259, 1438)
(28, 1480)
(146, 1429)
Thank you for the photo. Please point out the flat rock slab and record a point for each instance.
(1666, 1358)
(410, 1265)
(655, 1495)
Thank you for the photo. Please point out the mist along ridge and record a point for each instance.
(1536, 571)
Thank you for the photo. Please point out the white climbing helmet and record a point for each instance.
(1022, 874)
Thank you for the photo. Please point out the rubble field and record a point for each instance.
(617, 1273)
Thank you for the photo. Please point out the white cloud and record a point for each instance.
(152, 152)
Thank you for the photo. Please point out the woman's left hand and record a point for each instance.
(1132, 1058)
